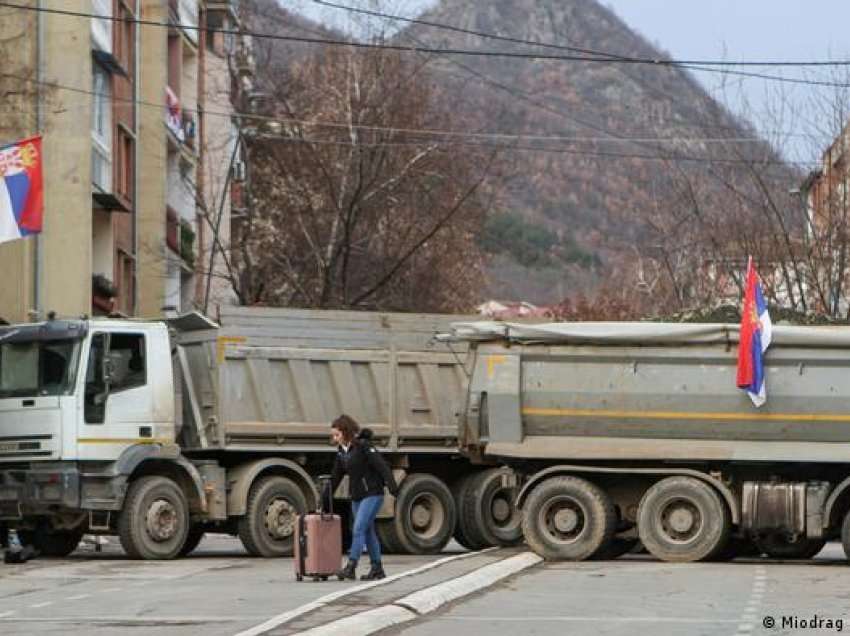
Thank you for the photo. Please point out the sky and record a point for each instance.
(726, 30)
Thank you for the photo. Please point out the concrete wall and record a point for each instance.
(152, 161)
(66, 237)
(220, 138)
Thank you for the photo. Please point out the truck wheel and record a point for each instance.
(778, 545)
(155, 519)
(490, 510)
(683, 519)
(388, 537)
(193, 539)
(425, 514)
(268, 527)
(845, 535)
(464, 532)
(568, 519)
(51, 543)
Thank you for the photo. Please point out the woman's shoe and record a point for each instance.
(348, 572)
(376, 573)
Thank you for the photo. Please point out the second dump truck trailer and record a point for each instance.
(626, 430)
(159, 433)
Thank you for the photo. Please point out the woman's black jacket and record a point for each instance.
(367, 471)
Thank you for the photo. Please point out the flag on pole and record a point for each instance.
(754, 339)
(21, 191)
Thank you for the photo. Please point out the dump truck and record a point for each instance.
(625, 431)
(159, 432)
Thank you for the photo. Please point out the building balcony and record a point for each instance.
(183, 16)
(230, 6)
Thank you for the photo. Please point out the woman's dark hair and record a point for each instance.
(347, 426)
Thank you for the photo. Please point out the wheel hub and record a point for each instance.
(681, 520)
(566, 520)
(161, 521)
(501, 510)
(421, 516)
(426, 515)
(280, 519)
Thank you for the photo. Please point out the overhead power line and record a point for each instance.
(606, 59)
(426, 132)
(703, 66)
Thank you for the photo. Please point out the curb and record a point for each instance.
(425, 601)
(285, 617)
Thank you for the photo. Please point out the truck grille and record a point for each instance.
(22, 447)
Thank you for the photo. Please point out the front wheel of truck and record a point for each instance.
(155, 520)
(568, 519)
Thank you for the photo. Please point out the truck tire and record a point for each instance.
(154, 522)
(683, 519)
(268, 527)
(193, 539)
(464, 532)
(388, 537)
(425, 514)
(777, 545)
(489, 511)
(51, 543)
(568, 519)
(845, 535)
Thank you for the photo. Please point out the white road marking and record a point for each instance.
(747, 622)
(79, 597)
(5, 614)
(425, 601)
(45, 604)
(110, 590)
(285, 617)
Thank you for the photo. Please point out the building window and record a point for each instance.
(124, 164)
(101, 26)
(124, 39)
(101, 128)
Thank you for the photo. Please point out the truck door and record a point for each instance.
(118, 399)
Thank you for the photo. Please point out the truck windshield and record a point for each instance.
(37, 368)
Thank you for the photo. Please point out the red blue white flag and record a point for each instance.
(755, 338)
(21, 190)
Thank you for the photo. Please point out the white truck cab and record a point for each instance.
(90, 442)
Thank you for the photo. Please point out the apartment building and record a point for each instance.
(138, 178)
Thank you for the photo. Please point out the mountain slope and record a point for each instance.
(582, 202)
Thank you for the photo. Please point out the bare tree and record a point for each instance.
(348, 207)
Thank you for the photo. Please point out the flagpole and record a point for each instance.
(39, 121)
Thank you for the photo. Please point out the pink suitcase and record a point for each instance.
(318, 545)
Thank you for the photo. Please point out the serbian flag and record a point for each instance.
(754, 340)
(21, 192)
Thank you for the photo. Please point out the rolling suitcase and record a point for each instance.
(318, 545)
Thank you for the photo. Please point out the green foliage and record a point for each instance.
(531, 245)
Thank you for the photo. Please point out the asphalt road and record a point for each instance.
(219, 590)
(637, 595)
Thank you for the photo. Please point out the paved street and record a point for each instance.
(220, 591)
(637, 595)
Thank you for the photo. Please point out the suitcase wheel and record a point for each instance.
(298, 577)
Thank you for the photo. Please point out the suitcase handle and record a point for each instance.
(325, 481)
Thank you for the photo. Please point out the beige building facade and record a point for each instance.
(121, 109)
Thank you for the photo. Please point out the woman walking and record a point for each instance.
(368, 473)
